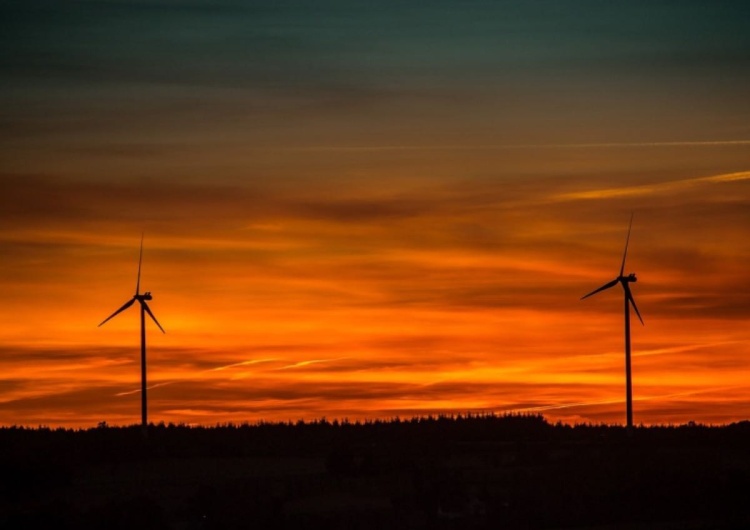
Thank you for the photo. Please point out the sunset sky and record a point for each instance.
(373, 209)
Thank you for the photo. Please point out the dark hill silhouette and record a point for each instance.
(466, 471)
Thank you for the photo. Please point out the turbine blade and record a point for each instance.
(624, 255)
(603, 287)
(148, 310)
(632, 301)
(140, 260)
(123, 308)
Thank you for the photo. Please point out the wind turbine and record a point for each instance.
(141, 299)
(625, 281)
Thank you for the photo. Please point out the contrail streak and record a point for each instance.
(243, 363)
(312, 361)
(197, 376)
(138, 390)
(299, 364)
(502, 147)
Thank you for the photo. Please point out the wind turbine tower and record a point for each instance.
(141, 299)
(625, 281)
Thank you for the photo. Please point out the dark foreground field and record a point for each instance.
(468, 472)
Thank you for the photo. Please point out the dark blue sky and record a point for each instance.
(545, 71)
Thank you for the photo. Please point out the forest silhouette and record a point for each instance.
(463, 471)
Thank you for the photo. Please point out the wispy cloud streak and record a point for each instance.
(652, 189)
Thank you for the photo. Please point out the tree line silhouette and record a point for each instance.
(460, 471)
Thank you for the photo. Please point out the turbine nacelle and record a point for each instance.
(630, 278)
(145, 296)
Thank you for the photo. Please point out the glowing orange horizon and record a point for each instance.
(386, 301)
